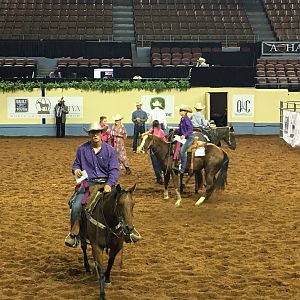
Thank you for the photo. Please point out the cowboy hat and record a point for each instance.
(138, 102)
(199, 106)
(201, 59)
(93, 127)
(117, 117)
(184, 107)
(156, 104)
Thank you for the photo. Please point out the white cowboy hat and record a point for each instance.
(184, 107)
(93, 126)
(138, 103)
(199, 106)
(117, 117)
(156, 104)
(201, 59)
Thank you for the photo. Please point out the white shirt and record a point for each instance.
(158, 114)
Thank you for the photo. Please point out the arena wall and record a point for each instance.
(263, 117)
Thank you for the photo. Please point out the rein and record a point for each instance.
(95, 222)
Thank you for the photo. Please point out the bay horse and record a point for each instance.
(214, 163)
(107, 223)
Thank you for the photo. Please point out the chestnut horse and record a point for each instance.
(214, 163)
(107, 223)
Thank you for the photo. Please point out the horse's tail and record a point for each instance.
(221, 178)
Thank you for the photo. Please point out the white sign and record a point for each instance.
(291, 127)
(42, 107)
(166, 101)
(243, 106)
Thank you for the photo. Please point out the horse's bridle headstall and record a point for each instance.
(114, 230)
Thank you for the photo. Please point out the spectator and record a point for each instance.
(139, 117)
(157, 113)
(119, 134)
(61, 111)
(201, 62)
(106, 135)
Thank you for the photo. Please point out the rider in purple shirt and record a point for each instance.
(186, 132)
(104, 164)
(100, 162)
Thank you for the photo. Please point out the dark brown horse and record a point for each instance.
(214, 163)
(107, 223)
(220, 134)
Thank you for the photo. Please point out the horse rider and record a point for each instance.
(97, 161)
(199, 122)
(185, 131)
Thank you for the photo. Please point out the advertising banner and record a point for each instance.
(42, 107)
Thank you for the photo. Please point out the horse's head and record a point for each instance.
(147, 140)
(125, 204)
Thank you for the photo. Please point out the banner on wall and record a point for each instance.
(243, 106)
(42, 107)
(167, 103)
(291, 127)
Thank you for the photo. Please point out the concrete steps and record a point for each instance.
(258, 20)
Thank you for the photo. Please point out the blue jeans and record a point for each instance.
(183, 155)
(76, 203)
(156, 166)
(138, 129)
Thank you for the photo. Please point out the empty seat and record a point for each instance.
(94, 62)
(127, 62)
(105, 62)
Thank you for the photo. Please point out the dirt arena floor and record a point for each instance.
(242, 244)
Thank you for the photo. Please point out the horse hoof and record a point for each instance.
(201, 200)
(178, 204)
(108, 283)
(166, 198)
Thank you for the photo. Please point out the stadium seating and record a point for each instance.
(190, 20)
(283, 71)
(284, 16)
(19, 67)
(48, 19)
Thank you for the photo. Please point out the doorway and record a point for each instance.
(218, 108)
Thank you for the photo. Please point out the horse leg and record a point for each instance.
(181, 184)
(112, 255)
(83, 235)
(209, 178)
(175, 182)
(166, 183)
(98, 257)
(85, 258)
(198, 181)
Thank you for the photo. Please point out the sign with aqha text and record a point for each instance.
(280, 48)
(243, 106)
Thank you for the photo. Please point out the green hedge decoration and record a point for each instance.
(97, 85)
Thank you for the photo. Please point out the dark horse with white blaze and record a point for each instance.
(214, 163)
(107, 223)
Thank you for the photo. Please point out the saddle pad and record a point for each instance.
(200, 152)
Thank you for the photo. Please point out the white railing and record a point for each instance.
(226, 40)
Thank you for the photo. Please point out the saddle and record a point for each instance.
(191, 152)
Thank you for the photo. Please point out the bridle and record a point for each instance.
(117, 230)
(151, 143)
